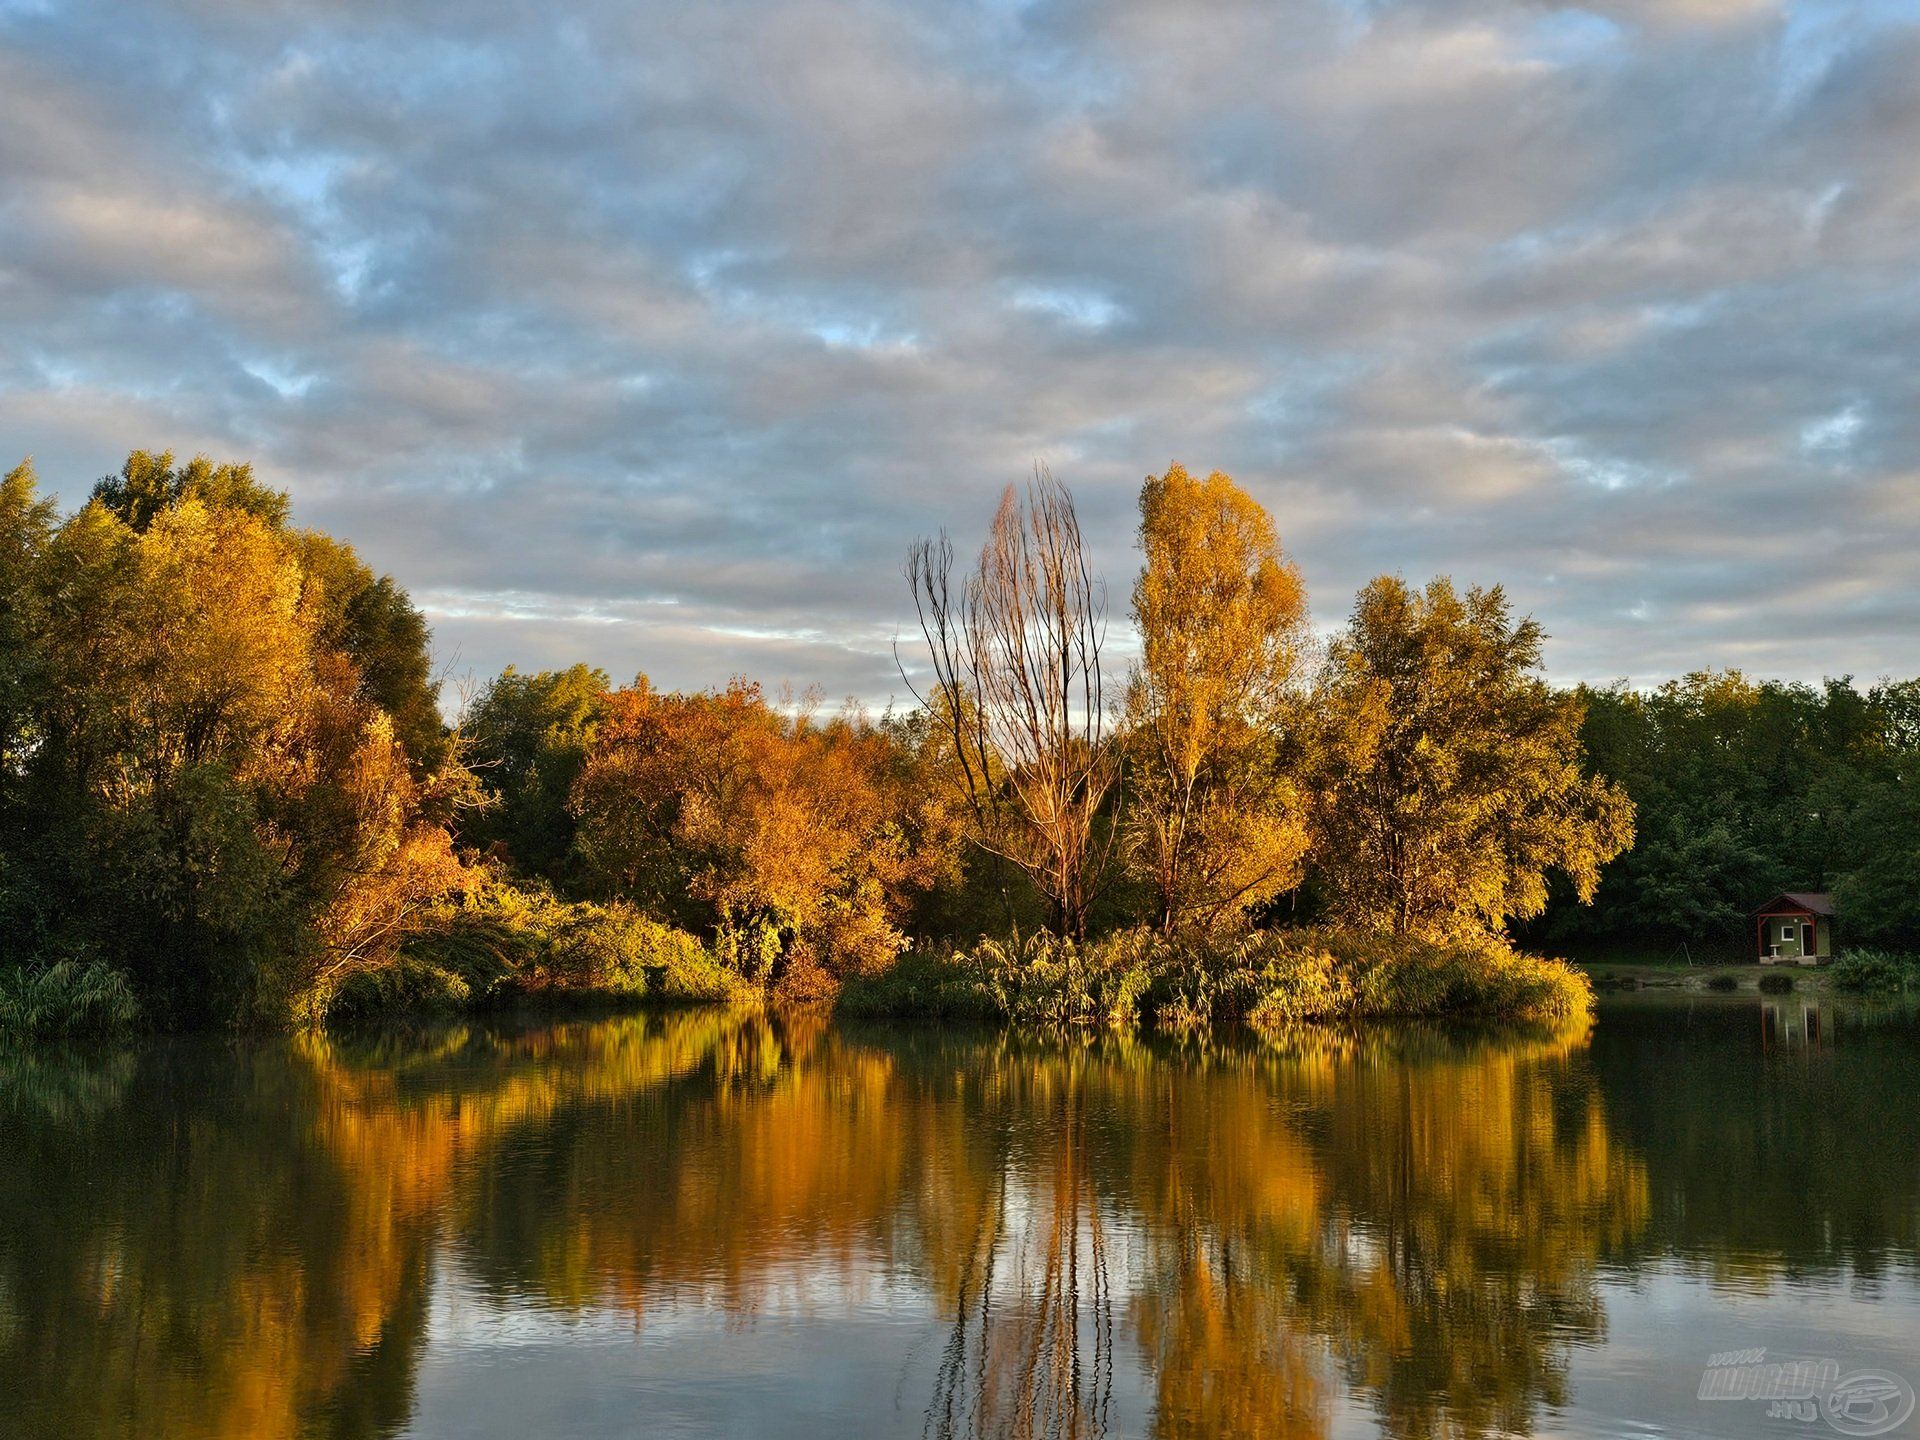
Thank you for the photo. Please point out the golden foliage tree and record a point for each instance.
(198, 733)
(718, 808)
(1216, 823)
(1450, 772)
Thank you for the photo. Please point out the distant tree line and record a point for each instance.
(1745, 788)
(226, 778)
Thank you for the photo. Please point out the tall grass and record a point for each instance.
(70, 999)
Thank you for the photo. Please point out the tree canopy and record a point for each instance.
(1451, 775)
(1216, 820)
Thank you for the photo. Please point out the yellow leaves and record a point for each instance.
(1222, 620)
(1450, 778)
(219, 628)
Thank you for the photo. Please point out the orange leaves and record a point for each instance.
(721, 809)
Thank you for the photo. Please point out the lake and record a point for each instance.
(715, 1224)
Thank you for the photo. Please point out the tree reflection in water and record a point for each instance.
(226, 1241)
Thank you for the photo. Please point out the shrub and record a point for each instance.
(408, 986)
(498, 943)
(1722, 982)
(1878, 972)
(66, 1000)
(1776, 982)
(1045, 980)
(1269, 980)
(1328, 974)
(935, 985)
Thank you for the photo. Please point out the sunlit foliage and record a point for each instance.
(797, 843)
(1451, 780)
(1217, 824)
(198, 788)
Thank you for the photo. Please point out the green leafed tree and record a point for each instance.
(1451, 781)
(527, 737)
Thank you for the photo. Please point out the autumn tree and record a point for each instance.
(1019, 685)
(191, 732)
(372, 621)
(796, 843)
(1451, 780)
(366, 616)
(1216, 822)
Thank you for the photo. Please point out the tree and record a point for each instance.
(1744, 788)
(371, 619)
(192, 732)
(1019, 685)
(1451, 779)
(26, 522)
(148, 485)
(1216, 824)
(528, 736)
(802, 842)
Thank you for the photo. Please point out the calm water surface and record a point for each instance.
(715, 1225)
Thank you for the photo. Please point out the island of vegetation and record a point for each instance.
(229, 795)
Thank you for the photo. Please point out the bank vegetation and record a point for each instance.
(230, 793)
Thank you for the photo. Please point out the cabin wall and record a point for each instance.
(1783, 931)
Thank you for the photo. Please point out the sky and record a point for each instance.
(652, 335)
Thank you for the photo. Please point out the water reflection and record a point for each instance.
(1094, 1237)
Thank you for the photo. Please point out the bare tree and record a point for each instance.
(1018, 690)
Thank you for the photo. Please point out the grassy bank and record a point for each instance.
(1268, 980)
(1877, 972)
(66, 1000)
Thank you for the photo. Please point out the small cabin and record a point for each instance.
(1796, 928)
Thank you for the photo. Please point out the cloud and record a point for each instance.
(653, 334)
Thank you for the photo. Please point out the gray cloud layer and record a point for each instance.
(653, 334)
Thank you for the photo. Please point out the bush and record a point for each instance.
(936, 985)
(1722, 982)
(1268, 980)
(1039, 980)
(1338, 974)
(1876, 972)
(408, 986)
(69, 999)
(498, 943)
(1776, 982)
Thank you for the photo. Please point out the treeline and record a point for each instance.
(1417, 778)
(1746, 788)
(228, 793)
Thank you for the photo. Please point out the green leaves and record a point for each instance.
(1450, 780)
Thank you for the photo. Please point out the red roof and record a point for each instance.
(1812, 902)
